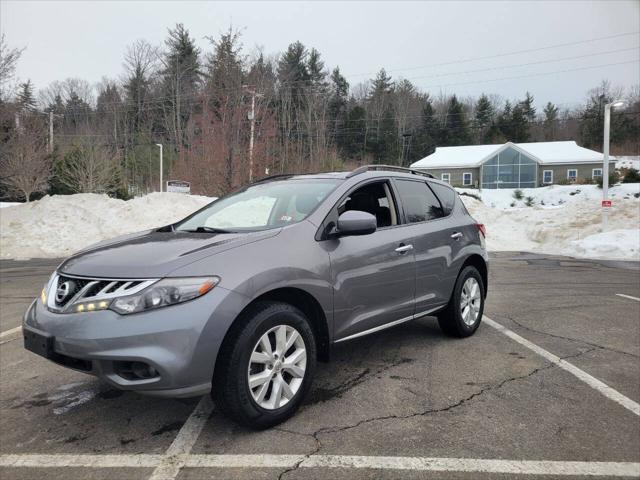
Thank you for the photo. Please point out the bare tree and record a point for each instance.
(8, 60)
(25, 166)
(90, 169)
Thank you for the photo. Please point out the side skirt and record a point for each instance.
(391, 324)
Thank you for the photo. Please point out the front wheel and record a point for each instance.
(266, 368)
(462, 316)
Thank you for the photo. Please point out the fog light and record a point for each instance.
(135, 370)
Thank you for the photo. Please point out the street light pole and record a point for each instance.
(605, 152)
(160, 145)
(252, 118)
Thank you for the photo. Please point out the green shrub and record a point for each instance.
(613, 179)
(631, 176)
(564, 181)
(472, 195)
(517, 194)
(529, 201)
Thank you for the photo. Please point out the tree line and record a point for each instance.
(306, 117)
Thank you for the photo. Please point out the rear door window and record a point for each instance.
(446, 195)
(418, 201)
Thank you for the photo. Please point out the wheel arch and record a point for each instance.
(479, 264)
(300, 299)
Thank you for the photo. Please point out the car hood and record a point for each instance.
(153, 254)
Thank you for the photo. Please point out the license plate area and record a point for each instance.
(38, 343)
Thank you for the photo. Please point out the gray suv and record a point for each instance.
(244, 296)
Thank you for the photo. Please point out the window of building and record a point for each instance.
(418, 201)
(547, 176)
(596, 173)
(509, 169)
(446, 177)
(467, 178)
(572, 174)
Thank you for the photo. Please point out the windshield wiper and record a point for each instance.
(203, 229)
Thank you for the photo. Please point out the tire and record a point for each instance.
(452, 319)
(231, 391)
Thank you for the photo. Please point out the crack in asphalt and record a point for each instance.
(330, 430)
(577, 340)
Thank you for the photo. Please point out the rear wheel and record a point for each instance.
(266, 368)
(463, 314)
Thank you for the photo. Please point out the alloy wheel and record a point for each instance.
(277, 367)
(470, 301)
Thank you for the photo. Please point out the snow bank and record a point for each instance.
(628, 162)
(564, 220)
(9, 204)
(614, 244)
(59, 225)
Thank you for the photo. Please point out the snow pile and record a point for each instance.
(563, 220)
(613, 244)
(9, 204)
(628, 162)
(553, 195)
(59, 225)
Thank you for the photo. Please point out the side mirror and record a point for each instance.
(356, 222)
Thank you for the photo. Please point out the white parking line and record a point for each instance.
(174, 457)
(7, 333)
(628, 296)
(593, 382)
(424, 464)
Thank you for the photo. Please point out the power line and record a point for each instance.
(498, 55)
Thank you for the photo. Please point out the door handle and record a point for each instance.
(404, 249)
(456, 236)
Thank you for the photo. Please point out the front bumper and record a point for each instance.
(179, 342)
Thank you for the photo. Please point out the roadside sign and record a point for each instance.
(606, 203)
(178, 186)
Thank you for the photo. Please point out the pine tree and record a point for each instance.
(382, 84)
(25, 97)
(355, 132)
(427, 135)
(484, 116)
(456, 129)
(315, 66)
(519, 124)
(504, 121)
(528, 109)
(338, 107)
(484, 111)
(181, 81)
(550, 122)
(591, 130)
(293, 71)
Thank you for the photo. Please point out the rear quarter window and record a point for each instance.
(446, 195)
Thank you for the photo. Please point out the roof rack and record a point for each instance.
(272, 177)
(393, 168)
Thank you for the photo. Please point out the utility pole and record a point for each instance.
(160, 145)
(252, 116)
(50, 131)
(405, 149)
(605, 166)
(51, 117)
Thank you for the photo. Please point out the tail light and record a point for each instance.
(482, 229)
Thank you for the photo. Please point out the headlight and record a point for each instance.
(169, 291)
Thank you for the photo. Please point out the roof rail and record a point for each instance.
(272, 177)
(393, 168)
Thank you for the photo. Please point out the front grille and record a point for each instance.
(66, 290)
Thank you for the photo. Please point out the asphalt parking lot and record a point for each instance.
(549, 385)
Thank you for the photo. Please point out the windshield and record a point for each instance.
(261, 206)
